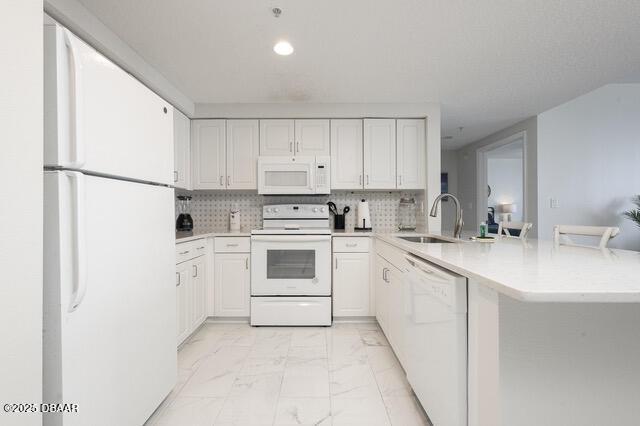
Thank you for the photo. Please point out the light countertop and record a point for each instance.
(183, 237)
(538, 271)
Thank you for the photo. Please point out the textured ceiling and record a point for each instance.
(490, 63)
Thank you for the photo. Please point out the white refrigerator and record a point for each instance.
(109, 250)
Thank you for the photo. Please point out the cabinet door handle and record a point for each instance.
(175, 176)
(298, 147)
(336, 263)
(221, 180)
(367, 179)
(384, 275)
(228, 180)
(195, 271)
(400, 179)
(290, 146)
(246, 263)
(178, 276)
(200, 248)
(360, 180)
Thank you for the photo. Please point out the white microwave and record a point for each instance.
(294, 175)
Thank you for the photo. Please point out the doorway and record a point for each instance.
(501, 181)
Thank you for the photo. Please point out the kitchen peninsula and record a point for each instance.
(553, 336)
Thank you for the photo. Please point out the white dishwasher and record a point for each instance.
(435, 326)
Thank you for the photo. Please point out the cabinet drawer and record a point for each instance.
(351, 244)
(190, 249)
(232, 244)
(391, 254)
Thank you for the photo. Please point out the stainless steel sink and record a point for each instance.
(425, 240)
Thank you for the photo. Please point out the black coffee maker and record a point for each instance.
(184, 221)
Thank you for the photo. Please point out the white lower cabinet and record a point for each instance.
(198, 303)
(381, 289)
(351, 284)
(182, 300)
(351, 277)
(191, 278)
(232, 278)
(389, 299)
(395, 318)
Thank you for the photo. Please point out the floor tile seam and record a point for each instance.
(378, 385)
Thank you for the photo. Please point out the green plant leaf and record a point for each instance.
(634, 215)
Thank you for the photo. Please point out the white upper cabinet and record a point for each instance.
(277, 137)
(312, 137)
(181, 151)
(346, 154)
(379, 153)
(410, 140)
(242, 154)
(208, 154)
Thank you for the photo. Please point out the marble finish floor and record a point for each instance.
(233, 374)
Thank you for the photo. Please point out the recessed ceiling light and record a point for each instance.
(283, 48)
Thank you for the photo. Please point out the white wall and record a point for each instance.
(467, 172)
(504, 175)
(21, 98)
(589, 160)
(449, 163)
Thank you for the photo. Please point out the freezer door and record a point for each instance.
(110, 321)
(100, 119)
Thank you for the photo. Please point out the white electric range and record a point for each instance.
(291, 266)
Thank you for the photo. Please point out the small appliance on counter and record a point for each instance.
(407, 214)
(184, 221)
(363, 218)
(234, 218)
(338, 219)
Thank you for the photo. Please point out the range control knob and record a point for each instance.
(268, 210)
(275, 210)
(321, 209)
(315, 210)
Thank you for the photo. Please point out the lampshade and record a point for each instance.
(507, 208)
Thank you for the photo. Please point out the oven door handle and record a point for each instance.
(290, 238)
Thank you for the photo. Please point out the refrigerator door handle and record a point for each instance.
(80, 253)
(75, 100)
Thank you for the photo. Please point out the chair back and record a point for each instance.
(561, 234)
(523, 227)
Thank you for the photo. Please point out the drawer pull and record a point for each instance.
(352, 245)
(232, 244)
(184, 252)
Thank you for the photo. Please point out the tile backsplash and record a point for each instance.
(210, 211)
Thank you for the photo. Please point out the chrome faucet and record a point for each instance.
(457, 230)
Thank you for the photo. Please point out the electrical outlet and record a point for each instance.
(554, 203)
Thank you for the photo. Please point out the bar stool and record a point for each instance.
(523, 227)
(561, 234)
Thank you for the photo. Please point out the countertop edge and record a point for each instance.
(507, 290)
